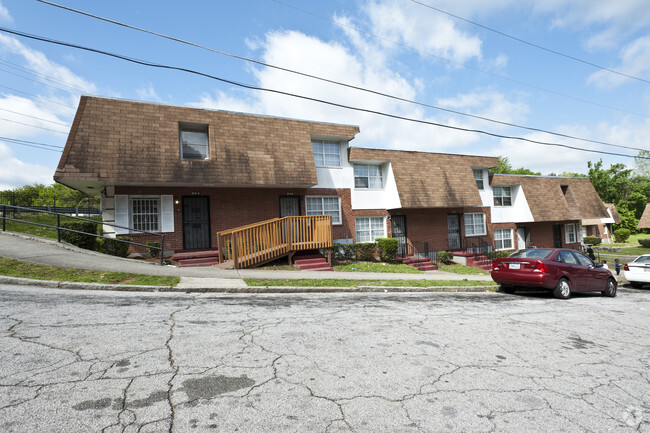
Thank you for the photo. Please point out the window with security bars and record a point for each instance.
(145, 214)
(502, 196)
(324, 206)
(370, 228)
(368, 176)
(326, 153)
(474, 224)
(503, 239)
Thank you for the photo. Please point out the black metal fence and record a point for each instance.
(85, 206)
(482, 251)
(6, 210)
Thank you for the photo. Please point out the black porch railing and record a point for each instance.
(12, 210)
(420, 250)
(482, 251)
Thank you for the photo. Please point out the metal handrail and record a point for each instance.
(59, 228)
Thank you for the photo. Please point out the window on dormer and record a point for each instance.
(368, 176)
(478, 177)
(326, 153)
(194, 141)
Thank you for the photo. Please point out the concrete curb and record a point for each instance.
(252, 289)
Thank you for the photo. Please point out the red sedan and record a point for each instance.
(560, 270)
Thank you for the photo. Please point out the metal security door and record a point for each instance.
(557, 236)
(453, 229)
(196, 223)
(399, 233)
(289, 206)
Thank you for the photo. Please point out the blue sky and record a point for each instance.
(399, 47)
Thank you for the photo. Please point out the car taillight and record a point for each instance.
(495, 266)
(540, 267)
(626, 267)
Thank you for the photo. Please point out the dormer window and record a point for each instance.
(326, 153)
(368, 176)
(565, 188)
(478, 177)
(502, 196)
(194, 141)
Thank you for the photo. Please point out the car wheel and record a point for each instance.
(563, 289)
(507, 289)
(610, 288)
(636, 285)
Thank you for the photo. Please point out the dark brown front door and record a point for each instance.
(557, 236)
(196, 223)
(289, 206)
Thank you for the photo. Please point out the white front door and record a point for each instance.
(521, 238)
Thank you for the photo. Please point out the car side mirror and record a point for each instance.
(598, 265)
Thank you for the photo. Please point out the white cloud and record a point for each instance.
(22, 112)
(635, 61)
(15, 173)
(148, 93)
(45, 67)
(427, 31)
(5, 16)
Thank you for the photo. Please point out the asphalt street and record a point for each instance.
(85, 361)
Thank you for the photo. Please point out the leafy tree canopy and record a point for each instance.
(41, 195)
(505, 167)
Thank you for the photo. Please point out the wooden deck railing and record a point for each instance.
(264, 241)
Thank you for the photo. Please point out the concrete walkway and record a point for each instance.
(50, 252)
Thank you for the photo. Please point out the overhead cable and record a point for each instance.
(308, 98)
(350, 86)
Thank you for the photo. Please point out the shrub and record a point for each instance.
(592, 240)
(387, 249)
(621, 235)
(81, 240)
(364, 251)
(645, 243)
(115, 247)
(154, 248)
(343, 251)
(446, 257)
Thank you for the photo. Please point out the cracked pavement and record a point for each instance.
(84, 361)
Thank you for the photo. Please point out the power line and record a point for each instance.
(38, 97)
(568, 56)
(37, 118)
(35, 144)
(41, 75)
(32, 126)
(307, 98)
(337, 82)
(462, 65)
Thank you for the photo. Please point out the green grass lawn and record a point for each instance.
(375, 267)
(35, 230)
(331, 282)
(461, 269)
(16, 268)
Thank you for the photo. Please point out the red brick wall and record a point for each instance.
(541, 234)
(233, 207)
(430, 225)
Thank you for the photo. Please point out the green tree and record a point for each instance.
(505, 167)
(642, 164)
(614, 184)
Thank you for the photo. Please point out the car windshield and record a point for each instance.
(642, 259)
(532, 254)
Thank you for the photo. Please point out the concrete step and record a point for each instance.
(202, 261)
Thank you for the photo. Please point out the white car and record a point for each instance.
(637, 272)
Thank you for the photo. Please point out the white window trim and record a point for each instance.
(123, 211)
(383, 224)
(501, 196)
(327, 196)
(338, 143)
(381, 173)
(512, 242)
(475, 234)
(567, 233)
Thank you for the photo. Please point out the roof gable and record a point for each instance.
(123, 142)
(430, 180)
(552, 198)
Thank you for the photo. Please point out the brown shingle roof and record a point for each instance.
(430, 180)
(553, 198)
(614, 212)
(119, 142)
(644, 222)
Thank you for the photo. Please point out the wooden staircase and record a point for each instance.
(311, 261)
(266, 241)
(417, 262)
